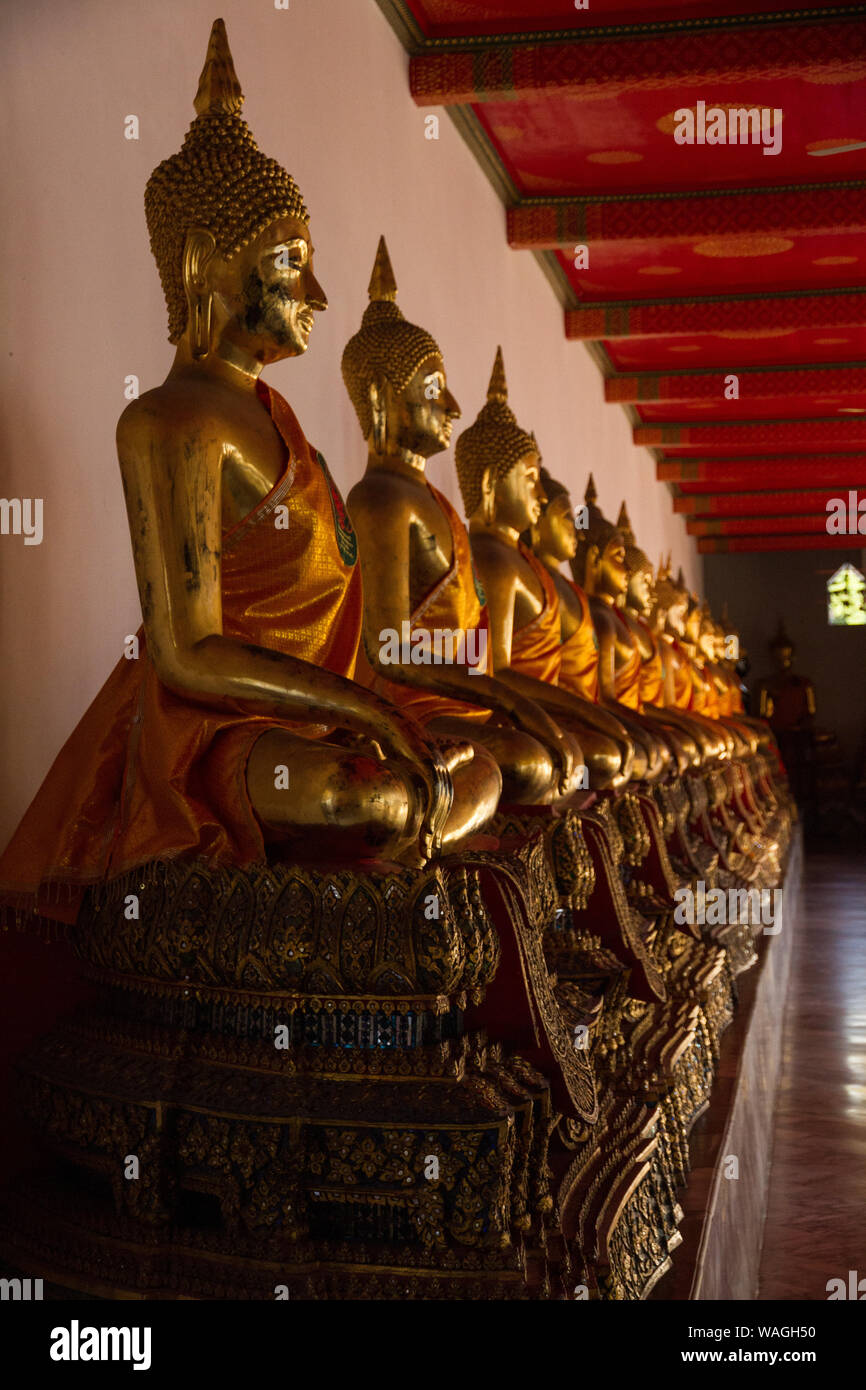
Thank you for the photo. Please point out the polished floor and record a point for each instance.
(816, 1215)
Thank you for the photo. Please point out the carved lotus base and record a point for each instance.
(280, 1088)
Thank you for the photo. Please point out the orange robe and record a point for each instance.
(579, 653)
(682, 675)
(626, 679)
(536, 648)
(148, 774)
(705, 699)
(455, 603)
(652, 675)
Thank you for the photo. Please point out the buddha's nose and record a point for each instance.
(316, 297)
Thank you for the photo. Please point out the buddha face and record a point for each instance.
(783, 656)
(707, 640)
(693, 625)
(612, 573)
(266, 295)
(676, 617)
(517, 499)
(419, 419)
(556, 534)
(641, 591)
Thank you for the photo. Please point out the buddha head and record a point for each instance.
(498, 463)
(782, 649)
(672, 602)
(640, 594)
(395, 376)
(707, 635)
(553, 535)
(599, 564)
(230, 233)
(694, 618)
(730, 648)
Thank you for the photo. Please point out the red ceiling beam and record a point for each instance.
(590, 68)
(698, 317)
(813, 525)
(796, 436)
(549, 224)
(754, 504)
(734, 475)
(730, 545)
(753, 385)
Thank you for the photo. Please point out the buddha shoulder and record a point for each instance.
(384, 498)
(169, 414)
(602, 616)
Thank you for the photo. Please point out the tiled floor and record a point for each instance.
(816, 1217)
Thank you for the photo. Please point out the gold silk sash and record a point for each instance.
(579, 654)
(536, 649)
(149, 774)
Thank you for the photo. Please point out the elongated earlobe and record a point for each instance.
(488, 498)
(198, 250)
(378, 417)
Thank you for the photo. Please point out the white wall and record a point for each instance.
(327, 94)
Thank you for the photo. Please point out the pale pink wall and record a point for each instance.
(327, 95)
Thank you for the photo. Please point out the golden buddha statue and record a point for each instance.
(721, 696)
(599, 567)
(671, 601)
(637, 607)
(553, 540)
(727, 659)
(498, 471)
(239, 730)
(419, 582)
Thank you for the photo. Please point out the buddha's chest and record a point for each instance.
(528, 593)
(571, 610)
(431, 547)
(625, 643)
(253, 461)
(641, 637)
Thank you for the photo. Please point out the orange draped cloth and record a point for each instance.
(681, 667)
(579, 653)
(455, 604)
(704, 699)
(148, 774)
(626, 680)
(652, 675)
(536, 649)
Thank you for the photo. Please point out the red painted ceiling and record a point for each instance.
(750, 348)
(703, 259)
(708, 264)
(553, 144)
(464, 18)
